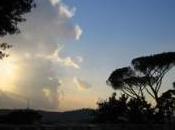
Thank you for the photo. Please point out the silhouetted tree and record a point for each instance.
(140, 111)
(166, 106)
(11, 13)
(112, 111)
(145, 75)
(124, 110)
(143, 78)
(154, 68)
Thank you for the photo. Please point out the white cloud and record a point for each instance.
(54, 2)
(69, 62)
(81, 84)
(35, 75)
(78, 32)
(45, 28)
(56, 58)
(65, 11)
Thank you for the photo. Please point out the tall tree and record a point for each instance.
(11, 13)
(145, 75)
(154, 68)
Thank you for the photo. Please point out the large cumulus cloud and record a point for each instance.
(35, 51)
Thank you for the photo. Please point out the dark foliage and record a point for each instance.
(159, 61)
(3, 48)
(143, 78)
(11, 13)
(22, 117)
(166, 106)
(112, 111)
(124, 110)
(119, 76)
(140, 111)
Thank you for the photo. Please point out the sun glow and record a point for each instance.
(8, 74)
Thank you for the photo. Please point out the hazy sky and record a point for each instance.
(67, 49)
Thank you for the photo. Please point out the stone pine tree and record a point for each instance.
(154, 68)
(144, 76)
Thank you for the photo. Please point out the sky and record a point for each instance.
(67, 49)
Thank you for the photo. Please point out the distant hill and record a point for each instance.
(76, 116)
(69, 117)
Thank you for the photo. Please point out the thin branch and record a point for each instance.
(132, 90)
(141, 90)
(127, 93)
(150, 93)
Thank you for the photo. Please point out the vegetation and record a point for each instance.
(11, 13)
(137, 82)
(21, 117)
(124, 110)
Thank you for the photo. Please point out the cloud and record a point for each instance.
(37, 74)
(56, 58)
(48, 93)
(78, 32)
(69, 62)
(80, 59)
(81, 84)
(65, 11)
(54, 2)
(37, 54)
(13, 99)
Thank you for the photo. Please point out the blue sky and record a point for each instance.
(113, 32)
(138, 26)
(125, 29)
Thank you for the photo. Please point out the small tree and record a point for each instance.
(112, 110)
(140, 111)
(167, 105)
